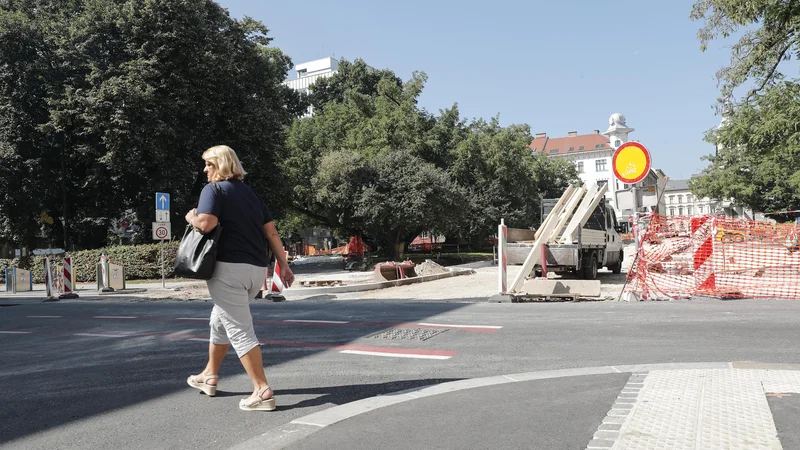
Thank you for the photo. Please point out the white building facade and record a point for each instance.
(309, 72)
(681, 202)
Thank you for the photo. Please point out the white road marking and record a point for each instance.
(115, 317)
(197, 339)
(101, 335)
(44, 317)
(394, 355)
(14, 332)
(315, 321)
(493, 327)
(192, 318)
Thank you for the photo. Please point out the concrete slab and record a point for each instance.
(551, 288)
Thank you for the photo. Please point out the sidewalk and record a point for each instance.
(660, 406)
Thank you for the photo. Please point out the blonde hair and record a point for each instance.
(226, 162)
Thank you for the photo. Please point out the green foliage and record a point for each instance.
(138, 261)
(769, 35)
(111, 101)
(757, 163)
(371, 161)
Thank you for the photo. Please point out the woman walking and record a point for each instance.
(247, 229)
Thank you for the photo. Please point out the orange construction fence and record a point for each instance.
(680, 257)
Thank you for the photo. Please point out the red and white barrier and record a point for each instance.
(703, 239)
(68, 279)
(276, 286)
(272, 287)
(50, 285)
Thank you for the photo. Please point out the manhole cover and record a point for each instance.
(414, 334)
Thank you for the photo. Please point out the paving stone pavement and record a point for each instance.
(696, 409)
(667, 406)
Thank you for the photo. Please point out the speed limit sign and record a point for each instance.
(162, 231)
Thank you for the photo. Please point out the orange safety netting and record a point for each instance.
(680, 257)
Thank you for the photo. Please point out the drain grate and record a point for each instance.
(412, 334)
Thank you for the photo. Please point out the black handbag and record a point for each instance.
(197, 253)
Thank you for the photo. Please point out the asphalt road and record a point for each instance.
(96, 375)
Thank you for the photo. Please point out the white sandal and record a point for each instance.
(209, 389)
(262, 404)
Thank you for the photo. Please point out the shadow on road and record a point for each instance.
(54, 377)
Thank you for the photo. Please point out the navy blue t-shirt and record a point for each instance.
(242, 215)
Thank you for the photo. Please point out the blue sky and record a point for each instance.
(558, 66)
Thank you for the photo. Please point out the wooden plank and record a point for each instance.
(584, 211)
(573, 203)
(550, 216)
(544, 237)
(600, 194)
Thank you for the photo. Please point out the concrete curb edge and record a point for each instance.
(303, 427)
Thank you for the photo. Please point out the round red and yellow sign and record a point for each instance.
(631, 162)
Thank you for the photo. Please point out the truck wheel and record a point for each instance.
(617, 267)
(589, 269)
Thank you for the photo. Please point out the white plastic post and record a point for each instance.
(502, 273)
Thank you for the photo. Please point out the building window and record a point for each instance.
(689, 210)
(572, 149)
(598, 146)
(617, 143)
(680, 210)
(580, 148)
(554, 151)
(579, 166)
(680, 199)
(688, 199)
(671, 199)
(600, 183)
(600, 165)
(700, 208)
(671, 210)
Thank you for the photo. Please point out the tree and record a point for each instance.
(129, 94)
(381, 165)
(756, 163)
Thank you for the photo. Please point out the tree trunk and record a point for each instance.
(397, 247)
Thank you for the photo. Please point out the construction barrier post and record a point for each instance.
(637, 252)
(68, 275)
(502, 274)
(103, 281)
(544, 261)
(51, 291)
(703, 247)
(276, 286)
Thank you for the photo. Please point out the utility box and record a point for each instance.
(18, 280)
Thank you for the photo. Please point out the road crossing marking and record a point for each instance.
(445, 325)
(101, 335)
(316, 321)
(394, 355)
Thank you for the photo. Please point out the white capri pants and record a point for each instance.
(232, 287)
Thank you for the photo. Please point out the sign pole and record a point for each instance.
(163, 277)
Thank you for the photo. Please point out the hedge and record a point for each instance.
(139, 261)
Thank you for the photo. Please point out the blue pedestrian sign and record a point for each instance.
(162, 201)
